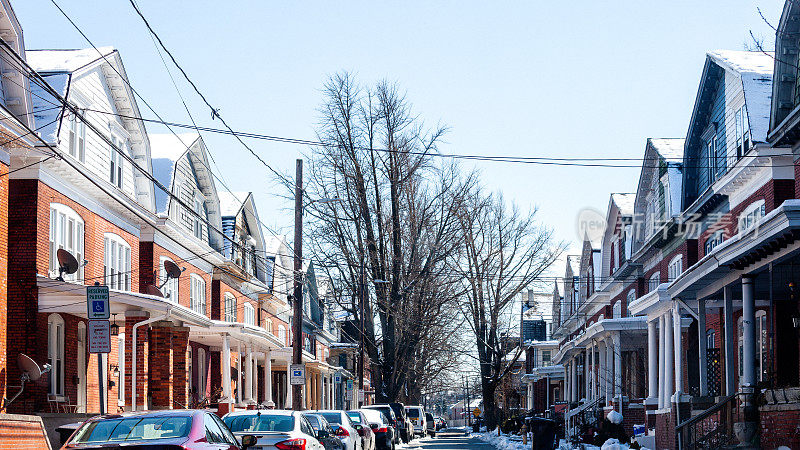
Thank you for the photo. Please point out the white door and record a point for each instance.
(81, 400)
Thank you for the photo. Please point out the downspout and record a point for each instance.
(134, 352)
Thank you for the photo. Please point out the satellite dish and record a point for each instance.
(29, 367)
(172, 269)
(66, 263)
(153, 290)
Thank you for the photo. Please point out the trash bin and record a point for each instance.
(544, 433)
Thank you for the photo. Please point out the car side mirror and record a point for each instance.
(248, 440)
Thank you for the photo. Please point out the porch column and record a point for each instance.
(588, 377)
(652, 361)
(248, 388)
(602, 377)
(617, 364)
(661, 350)
(226, 369)
(677, 342)
(702, 346)
(668, 360)
(594, 370)
(321, 390)
(288, 384)
(748, 378)
(573, 380)
(238, 372)
(268, 378)
(730, 341)
(609, 369)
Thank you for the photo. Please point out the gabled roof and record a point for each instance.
(624, 202)
(66, 60)
(671, 149)
(165, 151)
(574, 264)
(230, 203)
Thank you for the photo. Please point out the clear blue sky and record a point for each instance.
(558, 78)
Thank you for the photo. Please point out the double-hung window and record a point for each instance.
(742, 132)
(197, 295)
(751, 215)
(55, 353)
(714, 240)
(117, 161)
(117, 262)
(198, 216)
(249, 314)
(230, 307)
(76, 138)
(171, 285)
(675, 267)
(67, 232)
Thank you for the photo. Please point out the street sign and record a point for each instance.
(99, 336)
(476, 412)
(337, 378)
(361, 395)
(298, 374)
(97, 302)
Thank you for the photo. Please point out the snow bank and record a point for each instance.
(504, 441)
(615, 417)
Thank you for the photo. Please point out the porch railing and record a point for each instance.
(712, 428)
(578, 419)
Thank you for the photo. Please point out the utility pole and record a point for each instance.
(297, 338)
(361, 337)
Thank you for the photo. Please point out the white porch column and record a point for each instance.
(730, 341)
(748, 378)
(702, 346)
(238, 372)
(268, 378)
(661, 351)
(574, 370)
(588, 378)
(288, 384)
(669, 360)
(610, 365)
(566, 382)
(652, 361)
(321, 390)
(678, 353)
(248, 388)
(617, 364)
(226, 369)
(602, 377)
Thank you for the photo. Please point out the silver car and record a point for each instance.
(343, 427)
(274, 429)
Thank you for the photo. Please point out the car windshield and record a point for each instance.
(413, 413)
(249, 423)
(334, 418)
(354, 416)
(134, 429)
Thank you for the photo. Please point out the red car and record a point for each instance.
(169, 429)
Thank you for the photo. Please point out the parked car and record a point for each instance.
(384, 431)
(407, 432)
(342, 427)
(186, 429)
(274, 429)
(417, 416)
(364, 429)
(430, 424)
(393, 422)
(324, 432)
(440, 423)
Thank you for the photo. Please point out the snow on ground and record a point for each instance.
(504, 441)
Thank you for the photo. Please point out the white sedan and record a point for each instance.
(274, 429)
(343, 427)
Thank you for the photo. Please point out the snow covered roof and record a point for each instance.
(230, 203)
(670, 149)
(624, 202)
(574, 263)
(169, 146)
(65, 60)
(755, 69)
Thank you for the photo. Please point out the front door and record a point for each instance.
(81, 400)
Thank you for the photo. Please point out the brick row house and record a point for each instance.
(683, 314)
(199, 292)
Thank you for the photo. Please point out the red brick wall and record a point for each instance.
(154, 253)
(3, 275)
(22, 432)
(142, 362)
(780, 425)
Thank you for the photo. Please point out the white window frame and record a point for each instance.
(762, 328)
(631, 297)
(653, 282)
(171, 288)
(116, 262)
(714, 240)
(117, 161)
(199, 212)
(282, 333)
(249, 314)
(67, 231)
(675, 268)
(121, 366)
(616, 310)
(742, 130)
(711, 338)
(752, 215)
(230, 307)
(197, 296)
(56, 330)
(76, 136)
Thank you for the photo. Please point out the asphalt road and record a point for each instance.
(449, 441)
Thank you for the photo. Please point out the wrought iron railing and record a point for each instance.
(714, 427)
(586, 415)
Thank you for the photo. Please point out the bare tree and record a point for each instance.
(505, 252)
(392, 232)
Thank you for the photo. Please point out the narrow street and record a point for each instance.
(448, 441)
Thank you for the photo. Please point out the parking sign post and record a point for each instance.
(98, 312)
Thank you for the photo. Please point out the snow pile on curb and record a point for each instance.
(611, 444)
(504, 441)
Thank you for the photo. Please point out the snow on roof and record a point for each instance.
(170, 146)
(65, 60)
(670, 149)
(574, 262)
(624, 202)
(230, 203)
(755, 69)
